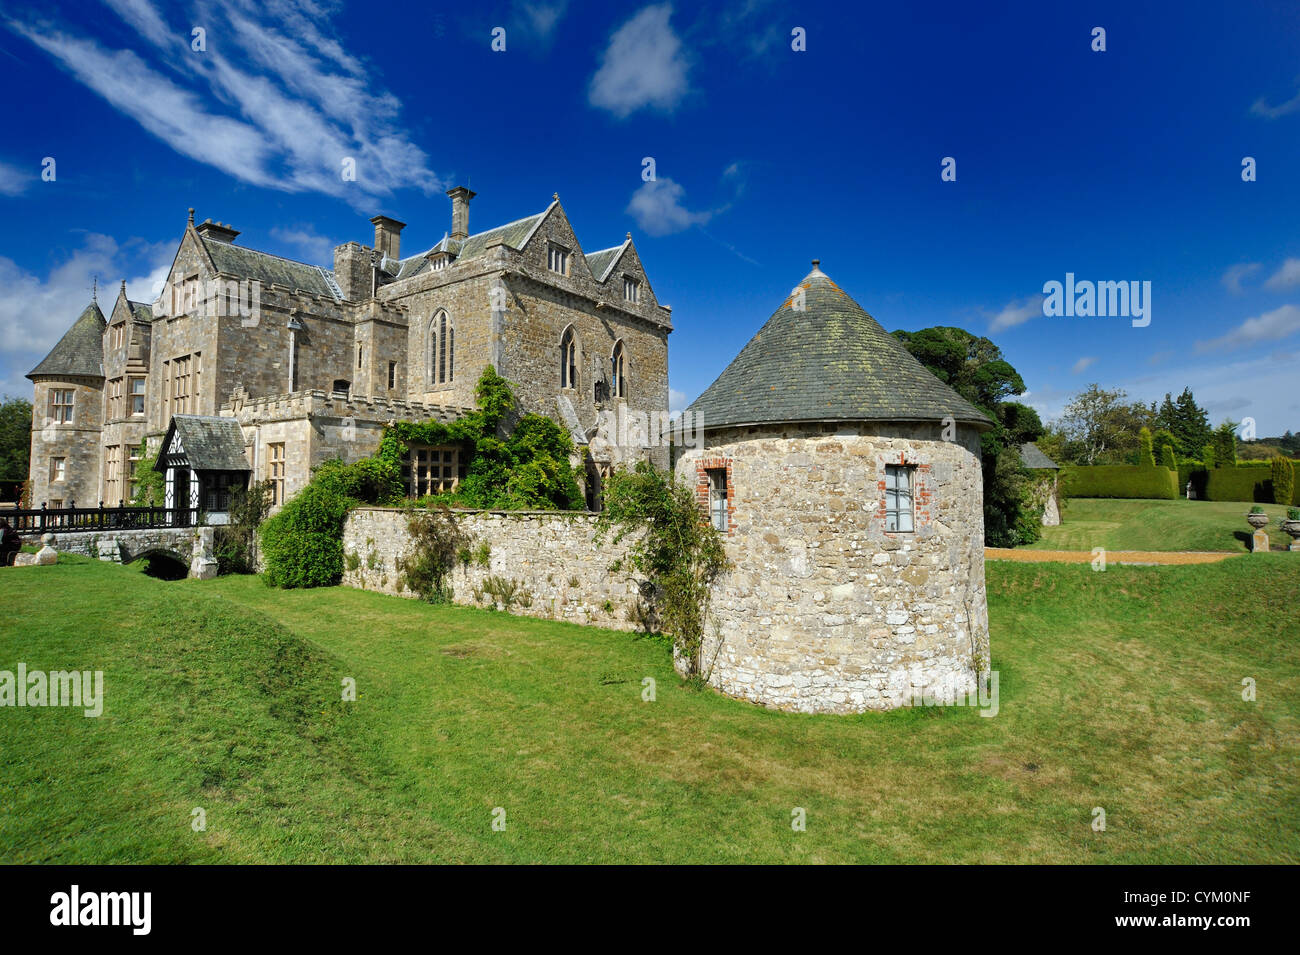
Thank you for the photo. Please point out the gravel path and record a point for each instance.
(1112, 556)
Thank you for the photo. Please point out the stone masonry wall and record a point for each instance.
(825, 610)
(549, 553)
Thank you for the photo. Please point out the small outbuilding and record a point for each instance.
(203, 459)
(846, 480)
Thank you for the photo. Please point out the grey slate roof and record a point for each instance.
(80, 351)
(830, 361)
(1032, 457)
(210, 443)
(512, 234)
(268, 268)
(600, 262)
(141, 311)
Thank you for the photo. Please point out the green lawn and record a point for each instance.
(1159, 525)
(1118, 689)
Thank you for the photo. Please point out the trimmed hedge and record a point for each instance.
(1253, 483)
(1120, 480)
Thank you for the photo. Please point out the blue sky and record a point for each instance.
(1122, 165)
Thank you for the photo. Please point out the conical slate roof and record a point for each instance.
(80, 352)
(825, 359)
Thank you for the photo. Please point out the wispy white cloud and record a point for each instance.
(643, 66)
(15, 180)
(308, 243)
(36, 311)
(539, 19)
(1261, 108)
(1016, 313)
(1287, 276)
(658, 208)
(1082, 365)
(1235, 274)
(1270, 326)
(273, 101)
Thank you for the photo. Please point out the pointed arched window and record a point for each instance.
(618, 371)
(569, 359)
(442, 349)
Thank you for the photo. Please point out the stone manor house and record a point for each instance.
(844, 478)
(254, 366)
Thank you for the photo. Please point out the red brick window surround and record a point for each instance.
(716, 493)
(904, 490)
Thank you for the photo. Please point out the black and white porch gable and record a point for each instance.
(203, 459)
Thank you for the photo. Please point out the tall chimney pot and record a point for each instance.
(460, 197)
(388, 236)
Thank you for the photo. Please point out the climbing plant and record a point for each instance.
(437, 541)
(515, 462)
(678, 553)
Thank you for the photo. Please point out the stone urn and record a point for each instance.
(1257, 521)
(1292, 527)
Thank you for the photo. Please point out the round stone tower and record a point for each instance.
(846, 480)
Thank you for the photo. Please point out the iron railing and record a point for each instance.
(65, 519)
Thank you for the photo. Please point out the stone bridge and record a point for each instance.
(191, 546)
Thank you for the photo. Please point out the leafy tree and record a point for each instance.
(1101, 426)
(15, 443)
(1186, 420)
(1283, 480)
(975, 369)
(1225, 445)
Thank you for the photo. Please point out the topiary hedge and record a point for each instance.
(1252, 483)
(1120, 480)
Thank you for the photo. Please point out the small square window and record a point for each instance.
(557, 259)
(898, 498)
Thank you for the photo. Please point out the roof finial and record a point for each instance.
(555, 196)
(191, 215)
(817, 263)
(94, 291)
(123, 286)
(629, 235)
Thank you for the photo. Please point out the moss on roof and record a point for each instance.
(825, 359)
(270, 269)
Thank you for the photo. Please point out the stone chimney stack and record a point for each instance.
(388, 236)
(460, 197)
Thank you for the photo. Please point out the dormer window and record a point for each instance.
(631, 289)
(438, 262)
(557, 259)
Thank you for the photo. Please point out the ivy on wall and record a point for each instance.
(515, 462)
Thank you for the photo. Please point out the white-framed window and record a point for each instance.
(569, 358)
(618, 371)
(899, 514)
(137, 395)
(113, 474)
(61, 405)
(631, 289)
(58, 469)
(557, 259)
(115, 398)
(432, 470)
(117, 335)
(136, 452)
(718, 515)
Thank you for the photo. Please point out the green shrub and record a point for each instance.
(1120, 480)
(1146, 456)
(303, 544)
(235, 544)
(1207, 455)
(1283, 480)
(1168, 459)
(1225, 445)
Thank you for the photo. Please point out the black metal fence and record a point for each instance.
(56, 519)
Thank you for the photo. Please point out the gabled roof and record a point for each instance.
(207, 443)
(601, 262)
(1032, 457)
(513, 234)
(80, 352)
(825, 359)
(268, 268)
(141, 311)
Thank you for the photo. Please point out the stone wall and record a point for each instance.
(192, 546)
(77, 442)
(550, 554)
(826, 610)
